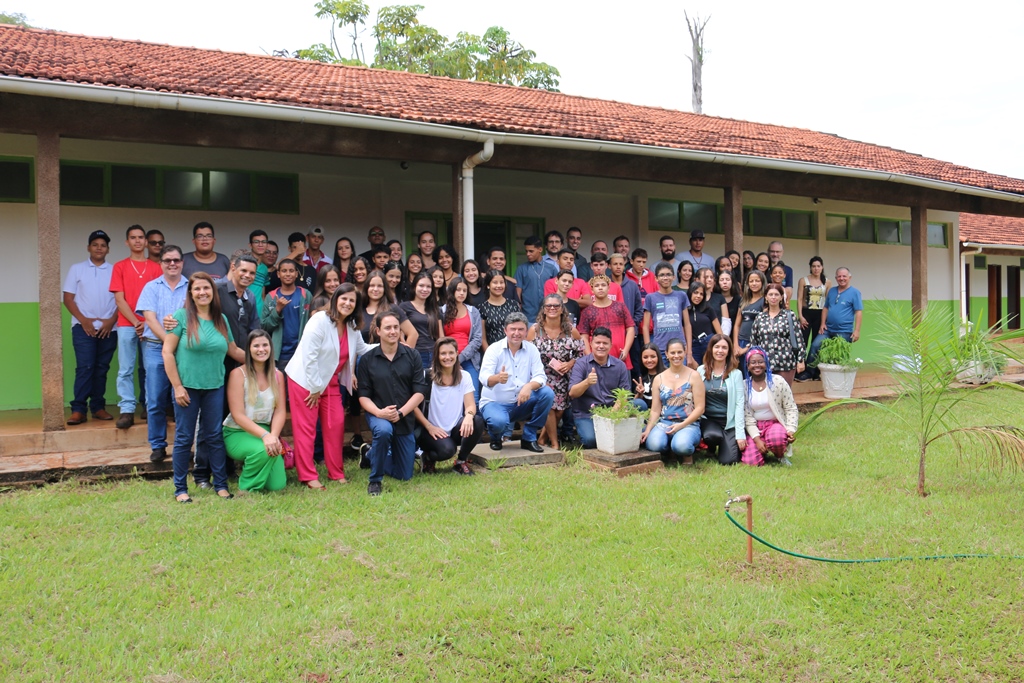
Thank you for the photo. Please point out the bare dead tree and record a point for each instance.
(696, 29)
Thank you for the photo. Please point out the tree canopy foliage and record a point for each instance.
(403, 43)
(16, 18)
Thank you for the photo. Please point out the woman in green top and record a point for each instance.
(194, 361)
(252, 431)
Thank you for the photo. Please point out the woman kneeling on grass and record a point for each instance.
(677, 402)
(451, 418)
(722, 425)
(252, 432)
(771, 414)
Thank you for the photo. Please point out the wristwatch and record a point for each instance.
(400, 415)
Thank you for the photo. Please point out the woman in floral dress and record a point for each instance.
(560, 345)
(775, 329)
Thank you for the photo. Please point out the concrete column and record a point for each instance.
(732, 218)
(918, 259)
(50, 297)
(458, 240)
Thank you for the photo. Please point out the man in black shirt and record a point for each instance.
(390, 384)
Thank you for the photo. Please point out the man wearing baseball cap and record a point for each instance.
(697, 256)
(313, 256)
(90, 302)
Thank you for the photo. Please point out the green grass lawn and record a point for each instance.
(542, 574)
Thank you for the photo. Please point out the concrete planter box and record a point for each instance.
(618, 436)
(837, 381)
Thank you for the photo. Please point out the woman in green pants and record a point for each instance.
(252, 432)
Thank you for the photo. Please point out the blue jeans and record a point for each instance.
(818, 339)
(206, 405)
(683, 442)
(92, 363)
(474, 374)
(391, 454)
(585, 425)
(533, 414)
(427, 357)
(129, 349)
(158, 392)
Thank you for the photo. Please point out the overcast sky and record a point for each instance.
(941, 79)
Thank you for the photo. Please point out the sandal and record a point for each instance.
(225, 494)
(314, 484)
(183, 498)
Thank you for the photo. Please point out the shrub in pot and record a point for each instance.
(838, 367)
(617, 428)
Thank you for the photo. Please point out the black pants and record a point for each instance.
(720, 440)
(444, 449)
(813, 317)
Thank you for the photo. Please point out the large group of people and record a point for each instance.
(436, 354)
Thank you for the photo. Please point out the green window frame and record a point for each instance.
(258, 184)
(670, 215)
(875, 230)
(7, 192)
(514, 230)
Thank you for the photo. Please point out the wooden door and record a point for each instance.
(995, 295)
(1013, 297)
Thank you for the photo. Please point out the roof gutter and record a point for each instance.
(983, 245)
(147, 99)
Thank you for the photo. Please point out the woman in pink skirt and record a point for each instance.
(770, 412)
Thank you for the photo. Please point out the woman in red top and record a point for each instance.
(462, 323)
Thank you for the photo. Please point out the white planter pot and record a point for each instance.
(837, 381)
(976, 373)
(618, 436)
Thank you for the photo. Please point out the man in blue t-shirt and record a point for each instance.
(665, 309)
(531, 276)
(841, 317)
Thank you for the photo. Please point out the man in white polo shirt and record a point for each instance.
(88, 298)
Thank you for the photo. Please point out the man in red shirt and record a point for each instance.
(127, 279)
(580, 291)
(313, 256)
(640, 275)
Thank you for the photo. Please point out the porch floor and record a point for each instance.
(30, 456)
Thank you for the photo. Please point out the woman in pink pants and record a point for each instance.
(770, 413)
(324, 361)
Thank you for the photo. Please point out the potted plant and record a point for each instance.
(978, 360)
(618, 427)
(838, 368)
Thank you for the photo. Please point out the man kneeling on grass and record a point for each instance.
(592, 381)
(514, 386)
(390, 385)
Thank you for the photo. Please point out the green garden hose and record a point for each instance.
(958, 556)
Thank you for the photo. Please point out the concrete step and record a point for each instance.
(511, 455)
(624, 464)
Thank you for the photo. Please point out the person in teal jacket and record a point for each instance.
(722, 425)
(285, 312)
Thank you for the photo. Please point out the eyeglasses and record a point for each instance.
(552, 306)
(170, 261)
(376, 234)
(259, 242)
(157, 244)
(204, 237)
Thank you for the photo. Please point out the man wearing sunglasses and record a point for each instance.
(160, 299)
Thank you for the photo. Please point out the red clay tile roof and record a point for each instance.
(63, 57)
(991, 229)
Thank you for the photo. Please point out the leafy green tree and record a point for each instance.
(16, 18)
(927, 357)
(403, 43)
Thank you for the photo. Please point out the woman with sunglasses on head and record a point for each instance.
(723, 424)
(770, 413)
(193, 355)
(252, 430)
(323, 364)
(451, 421)
(559, 345)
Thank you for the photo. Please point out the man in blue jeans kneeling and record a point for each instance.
(513, 386)
(593, 379)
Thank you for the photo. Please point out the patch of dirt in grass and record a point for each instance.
(165, 678)
(497, 510)
(142, 520)
(159, 570)
(136, 552)
(340, 548)
(365, 560)
(672, 517)
(316, 678)
(335, 637)
(772, 567)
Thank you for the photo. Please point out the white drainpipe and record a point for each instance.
(481, 157)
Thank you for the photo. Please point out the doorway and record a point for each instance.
(995, 295)
(1013, 297)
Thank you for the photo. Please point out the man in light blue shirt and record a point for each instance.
(841, 317)
(531, 276)
(514, 386)
(160, 298)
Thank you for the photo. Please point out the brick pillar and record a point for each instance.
(918, 259)
(458, 240)
(50, 297)
(732, 218)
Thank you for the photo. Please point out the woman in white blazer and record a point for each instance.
(324, 361)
